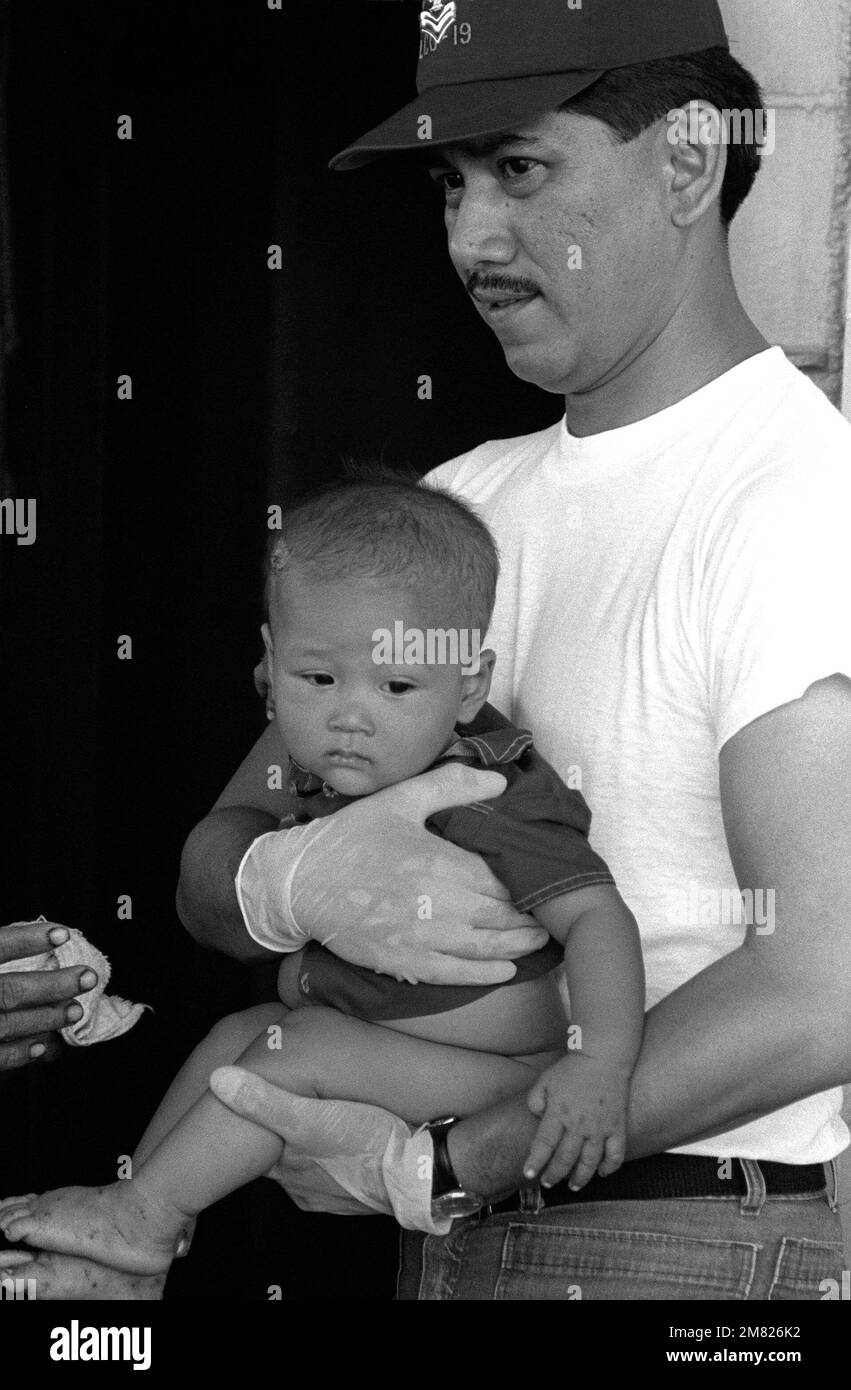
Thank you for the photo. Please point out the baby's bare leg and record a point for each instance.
(130, 1224)
(222, 1045)
(211, 1151)
(318, 1052)
(336, 1057)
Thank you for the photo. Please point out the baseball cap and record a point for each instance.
(486, 65)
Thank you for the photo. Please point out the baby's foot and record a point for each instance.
(117, 1226)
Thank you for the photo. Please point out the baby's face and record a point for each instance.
(357, 724)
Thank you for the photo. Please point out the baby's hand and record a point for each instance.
(583, 1103)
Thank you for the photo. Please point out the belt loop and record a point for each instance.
(754, 1199)
(832, 1199)
(531, 1200)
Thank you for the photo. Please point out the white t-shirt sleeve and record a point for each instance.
(774, 597)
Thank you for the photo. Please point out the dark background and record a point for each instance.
(149, 257)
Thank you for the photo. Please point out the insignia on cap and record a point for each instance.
(437, 18)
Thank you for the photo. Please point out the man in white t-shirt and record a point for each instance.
(673, 623)
(673, 620)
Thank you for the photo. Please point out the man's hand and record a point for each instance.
(35, 1004)
(377, 888)
(339, 1156)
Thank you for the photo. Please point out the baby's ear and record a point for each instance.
(263, 673)
(475, 687)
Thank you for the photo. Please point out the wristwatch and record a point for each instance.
(448, 1197)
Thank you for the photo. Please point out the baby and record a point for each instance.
(376, 595)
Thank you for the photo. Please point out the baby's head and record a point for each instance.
(378, 593)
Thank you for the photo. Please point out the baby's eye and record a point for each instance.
(399, 687)
(318, 678)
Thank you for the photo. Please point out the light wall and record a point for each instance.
(791, 240)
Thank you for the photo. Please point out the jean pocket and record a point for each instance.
(541, 1262)
(806, 1269)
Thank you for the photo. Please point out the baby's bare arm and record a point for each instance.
(605, 972)
(582, 1099)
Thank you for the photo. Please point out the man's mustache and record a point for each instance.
(478, 281)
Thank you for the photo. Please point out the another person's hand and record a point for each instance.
(339, 1156)
(582, 1102)
(378, 889)
(67, 1278)
(35, 1004)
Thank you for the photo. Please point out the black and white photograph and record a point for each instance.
(425, 593)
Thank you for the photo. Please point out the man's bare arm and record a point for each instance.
(205, 900)
(771, 1022)
(248, 807)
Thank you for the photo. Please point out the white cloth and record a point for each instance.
(662, 586)
(104, 1016)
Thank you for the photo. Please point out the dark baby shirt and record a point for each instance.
(534, 837)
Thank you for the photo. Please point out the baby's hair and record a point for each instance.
(383, 523)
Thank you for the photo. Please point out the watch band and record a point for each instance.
(448, 1197)
(443, 1176)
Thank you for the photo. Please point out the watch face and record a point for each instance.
(455, 1204)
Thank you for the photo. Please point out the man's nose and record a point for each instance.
(480, 228)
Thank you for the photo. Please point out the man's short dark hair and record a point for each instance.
(382, 524)
(631, 99)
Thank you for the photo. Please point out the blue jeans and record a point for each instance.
(719, 1248)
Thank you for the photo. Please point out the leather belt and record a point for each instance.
(667, 1176)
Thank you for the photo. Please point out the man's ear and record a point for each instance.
(476, 688)
(696, 136)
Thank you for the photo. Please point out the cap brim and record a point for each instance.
(464, 112)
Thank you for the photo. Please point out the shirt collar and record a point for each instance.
(304, 783)
(489, 750)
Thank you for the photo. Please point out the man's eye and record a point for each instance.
(398, 687)
(449, 180)
(517, 167)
